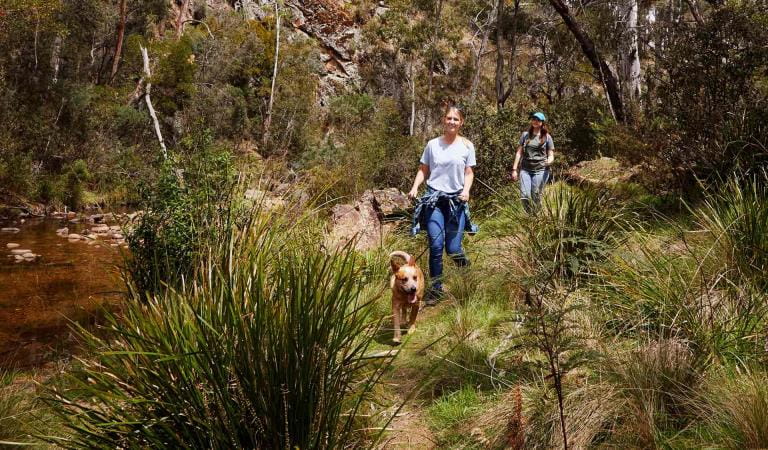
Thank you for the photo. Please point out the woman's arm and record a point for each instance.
(469, 177)
(421, 175)
(550, 156)
(518, 157)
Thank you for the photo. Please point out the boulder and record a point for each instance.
(74, 237)
(364, 220)
(601, 172)
(12, 245)
(63, 231)
(391, 201)
(29, 255)
(20, 251)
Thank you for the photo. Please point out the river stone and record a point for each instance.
(74, 237)
(20, 251)
(117, 236)
(63, 231)
(9, 230)
(71, 215)
(29, 255)
(18, 258)
(12, 245)
(115, 228)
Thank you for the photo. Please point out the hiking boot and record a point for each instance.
(433, 296)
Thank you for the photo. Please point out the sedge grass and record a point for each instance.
(264, 349)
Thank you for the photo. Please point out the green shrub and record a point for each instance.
(737, 217)
(76, 176)
(264, 349)
(574, 228)
(184, 212)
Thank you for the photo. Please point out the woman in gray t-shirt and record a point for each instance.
(446, 165)
(535, 152)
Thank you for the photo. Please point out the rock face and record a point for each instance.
(331, 25)
(364, 221)
(328, 22)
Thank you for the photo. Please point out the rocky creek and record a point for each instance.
(53, 271)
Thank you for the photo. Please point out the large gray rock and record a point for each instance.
(363, 221)
(391, 201)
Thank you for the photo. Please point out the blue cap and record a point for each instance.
(540, 116)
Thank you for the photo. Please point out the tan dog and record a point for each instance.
(407, 285)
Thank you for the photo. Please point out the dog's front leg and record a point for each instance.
(396, 321)
(412, 320)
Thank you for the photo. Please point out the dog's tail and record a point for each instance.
(401, 254)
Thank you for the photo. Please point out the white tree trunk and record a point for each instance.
(56, 58)
(634, 70)
(268, 119)
(147, 91)
(412, 85)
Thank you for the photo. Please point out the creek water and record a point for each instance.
(70, 280)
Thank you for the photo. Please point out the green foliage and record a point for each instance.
(733, 406)
(737, 216)
(265, 349)
(575, 228)
(710, 114)
(184, 210)
(76, 176)
(496, 136)
(373, 145)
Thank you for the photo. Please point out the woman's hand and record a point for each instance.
(514, 175)
(413, 193)
(464, 197)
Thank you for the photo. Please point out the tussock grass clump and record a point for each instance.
(265, 349)
(734, 407)
(737, 217)
(574, 228)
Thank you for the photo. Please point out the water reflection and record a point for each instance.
(71, 280)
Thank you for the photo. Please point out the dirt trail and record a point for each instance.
(410, 428)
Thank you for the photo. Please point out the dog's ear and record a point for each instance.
(394, 265)
(411, 261)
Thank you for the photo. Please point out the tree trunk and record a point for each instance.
(512, 53)
(412, 86)
(147, 92)
(56, 58)
(430, 75)
(120, 37)
(499, 77)
(180, 19)
(268, 119)
(602, 68)
(695, 12)
(479, 55)
(634, 68)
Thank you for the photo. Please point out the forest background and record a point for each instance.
(630, 313)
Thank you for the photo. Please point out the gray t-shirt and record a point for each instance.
(535, 151)
(447, 163)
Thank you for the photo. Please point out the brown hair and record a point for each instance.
(542, 133)
(448, 105)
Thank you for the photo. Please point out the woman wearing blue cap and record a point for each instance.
(535, 153)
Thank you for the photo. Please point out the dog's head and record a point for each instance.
(406, 276)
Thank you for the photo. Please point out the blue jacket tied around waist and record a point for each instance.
(427, 202)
